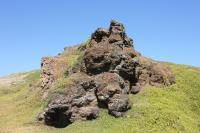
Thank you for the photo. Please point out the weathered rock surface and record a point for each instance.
(118, 104)
(109, 84)
(154, 73)
(77, 102)
(111, 88)
(109, 71)
(51, 69)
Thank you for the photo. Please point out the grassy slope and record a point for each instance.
(172, 109)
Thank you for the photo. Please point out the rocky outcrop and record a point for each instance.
(111, 88)
(154, 73)
(109, 70)
(112, 51)
(76, 102)
(82, 99)
(51, 69)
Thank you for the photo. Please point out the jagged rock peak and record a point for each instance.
(115, 34)
(116, 27)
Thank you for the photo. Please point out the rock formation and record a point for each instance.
(109, 70)
(51, 69)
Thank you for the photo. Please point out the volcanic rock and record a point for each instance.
(77, 102)
(109, 70)
(118, 105)
(109, 84)
(51, 69)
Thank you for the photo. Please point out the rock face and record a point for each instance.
(110, 91)
(109, 71)
(51, 69)
(77, 102)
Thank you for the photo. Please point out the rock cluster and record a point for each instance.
(77, 102)
(109, 71)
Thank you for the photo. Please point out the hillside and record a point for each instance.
(172, 109)
(102, 85)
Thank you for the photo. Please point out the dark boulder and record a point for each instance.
(102, 58)
(109, 84)
(100, 34)
(118, 105)
(107, 48)
(112, 93)
(135, 88)
(77, 102)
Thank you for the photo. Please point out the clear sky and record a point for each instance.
(167, 30)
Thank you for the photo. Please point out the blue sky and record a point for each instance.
(167, 30)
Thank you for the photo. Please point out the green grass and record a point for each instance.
(20, 105)
(72, 56)
(62, 83)
(170, 110)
